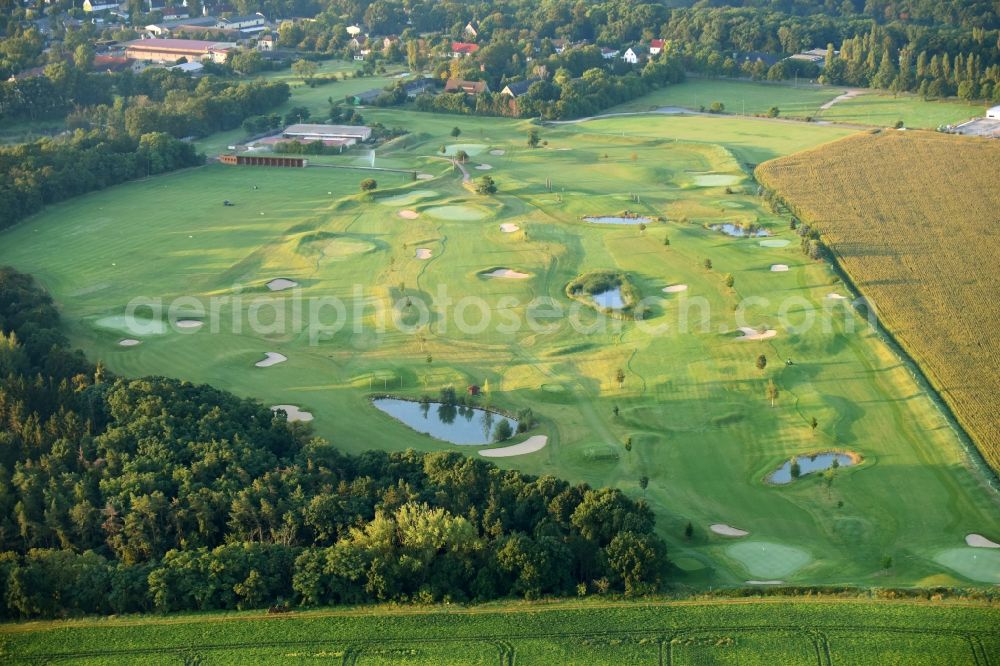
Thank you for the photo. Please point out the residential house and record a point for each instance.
(112, 64)
(609, 53)
(266, 43)
(656, 47)
(467, 87)
(517, 88)
(471, 30)
(635, 55)
(754, 57)
(559, 45)
(463, 49)
(99, 5)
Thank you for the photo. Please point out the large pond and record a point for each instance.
(807, 465)
(618, 219)
(610, 299)
(738, 231)
(451, 423)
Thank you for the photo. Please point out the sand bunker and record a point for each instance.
(726, 530)
(979, 541)
(409, 214)
(189, 323)
(675, 288)
(496, 153)
(129, 342)
(422, 253)
(280, 284)
(294, 413)
(424, 176)
(836, 297)
(484, 167)
(775, 242)
(747, 333)
(530, 445)
(765, 582)
(779, 268)
(508, 227)
(507, 273)
(716, 179)
(273, 358)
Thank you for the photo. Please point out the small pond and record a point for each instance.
(808, 465)
(451, 423)
(618, 219)
(738, 231)
(610, 299)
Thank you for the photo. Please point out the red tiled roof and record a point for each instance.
(656, 44)
(464, 47)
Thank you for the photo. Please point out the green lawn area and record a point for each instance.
(693, 403)
(804, 100)
(736, 631)
(740, 97)
(883, 110)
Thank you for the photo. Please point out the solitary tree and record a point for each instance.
(456, 132)
(368, 185)
(688, 531)
(707, 264)
(615, 410)
(814, 424)
(305, 68)
(502, 431)
(462, 156)
(773, 112)
(717, 107)
(620, 377)
(643, 482)
(761, 362)
(642, 227)
(772, 391)
(666, 239)
(730, 280)
(532, 138)
(796, 470)
(486, 186)
(628, 444)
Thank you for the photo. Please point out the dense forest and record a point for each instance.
(122, 495)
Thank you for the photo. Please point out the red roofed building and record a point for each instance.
(655, 47)
(111, 64)
(463, 49)
(171, 50)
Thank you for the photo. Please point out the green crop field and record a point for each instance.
(692, 401)
(745, 631)
(884, 110)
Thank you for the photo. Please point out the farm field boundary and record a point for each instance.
(821, 631)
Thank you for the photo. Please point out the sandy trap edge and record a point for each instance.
(979, 541)
(727, 530)
(530, 445)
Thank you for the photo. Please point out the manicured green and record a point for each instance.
(589, 631)
(692, 401)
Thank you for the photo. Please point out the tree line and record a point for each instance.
(129, 495)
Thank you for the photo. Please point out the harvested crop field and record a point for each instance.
(921, 245)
